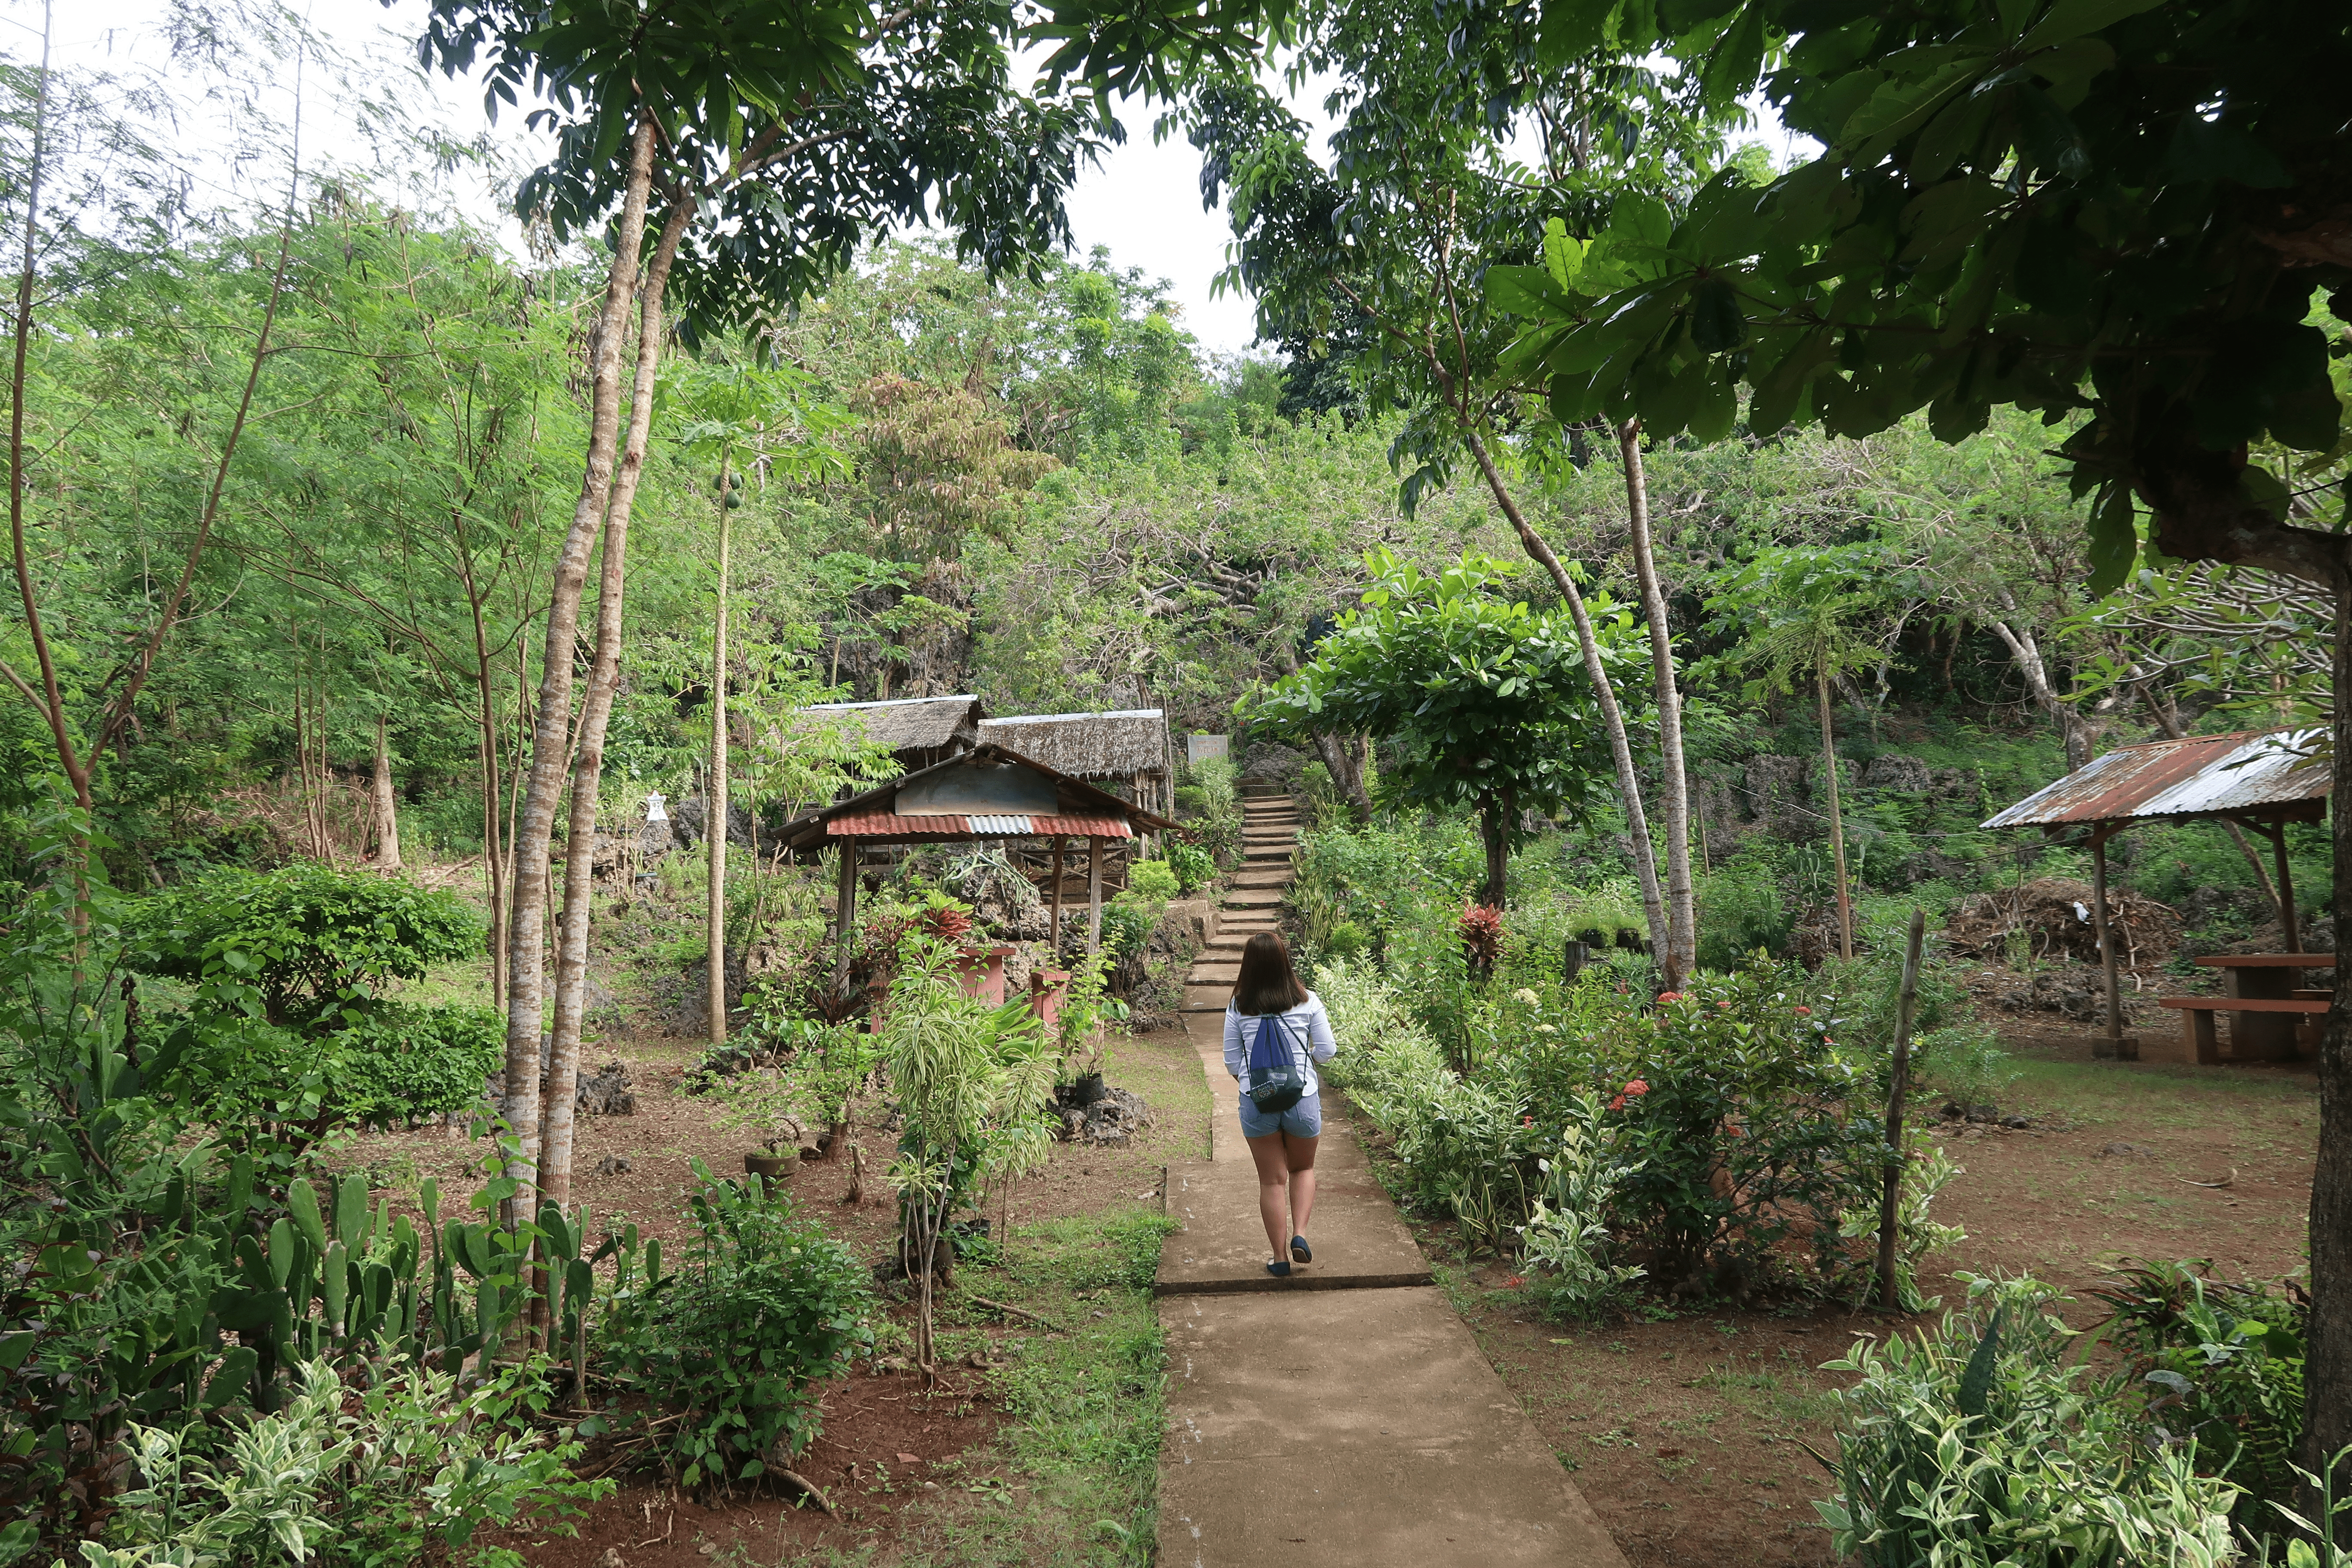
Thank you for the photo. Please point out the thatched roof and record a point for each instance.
(913, 723)
(1086, 745)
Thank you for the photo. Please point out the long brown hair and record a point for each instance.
(1267, 984)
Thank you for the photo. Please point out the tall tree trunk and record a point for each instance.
(2327, 1372)
(714, 813)
(387, 816)
(1621, 748)
(527, 920)
(1681, 955)
(1341, 761)
(1494, 813)
(588, 765)
(1837, 813)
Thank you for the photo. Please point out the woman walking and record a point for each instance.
(1276, 1030)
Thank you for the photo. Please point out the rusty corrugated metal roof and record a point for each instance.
(889, 825)
(2255, 772)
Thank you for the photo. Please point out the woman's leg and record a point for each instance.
(1273, 1195)
(1299, 1154)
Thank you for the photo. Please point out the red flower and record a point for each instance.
(1527, 1122)
(1618, 1103)
(1514, 1281)
(1670, 995)
(1804, 1012)
(1637, 1087)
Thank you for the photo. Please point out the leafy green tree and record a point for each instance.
(1422, 196)
(2114, 208)
(1489, 696)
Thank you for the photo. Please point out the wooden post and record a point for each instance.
(2287, 923)
(1899, 1085)
(2100, 834)
(845, 913)
(1054, 938)
(1094, 896)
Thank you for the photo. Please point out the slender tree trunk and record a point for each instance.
(527, 921)
(1837, 814)
(50, 699)
(2327, 1372)
(1682, 909)
(387, 816)
(588, 765)
(494, 871)
(1621, 748)
(716, 813)
(1494, 819)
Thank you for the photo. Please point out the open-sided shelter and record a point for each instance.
(2261, 779)
(989, 792)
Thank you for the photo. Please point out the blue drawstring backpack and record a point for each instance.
(1275, 1081)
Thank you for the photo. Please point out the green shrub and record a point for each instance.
(300, 942)
(1566, 1241)
(1740, 913)
(1971, 1444)
(1153, 881)
(1346, 941)
(1127, 925)
(767, 1306)
(1194, 868)
(394, 1064)
(2225, 1364)
(1745, 1123)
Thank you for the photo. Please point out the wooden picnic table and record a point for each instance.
(2268, 1012)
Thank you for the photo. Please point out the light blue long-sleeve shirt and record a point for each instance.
(1306, 1029)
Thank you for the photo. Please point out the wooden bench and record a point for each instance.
(2203, 1044)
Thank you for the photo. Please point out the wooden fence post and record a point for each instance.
(1899, 1085)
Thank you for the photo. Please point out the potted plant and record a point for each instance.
(1084, 1009)
(771, 1105)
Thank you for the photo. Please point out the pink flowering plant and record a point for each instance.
(1745, 1130)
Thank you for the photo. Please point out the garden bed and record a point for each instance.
(990, 1487)
(1684, 1433)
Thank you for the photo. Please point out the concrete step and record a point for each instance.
(1271, 876)
(1253, 898)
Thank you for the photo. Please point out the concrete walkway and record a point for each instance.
(1344, 1416)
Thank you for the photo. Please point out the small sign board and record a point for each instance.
(1201, 748)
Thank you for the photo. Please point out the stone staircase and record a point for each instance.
(1269, 835)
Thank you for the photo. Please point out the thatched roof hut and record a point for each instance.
(1128, 746)
(920, 730)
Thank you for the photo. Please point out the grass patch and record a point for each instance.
(1084, 1407)
(2159, 1096)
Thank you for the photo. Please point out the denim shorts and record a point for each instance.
(1304, 1120)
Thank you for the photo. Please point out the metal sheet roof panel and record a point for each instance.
(2201, 775)
(891, 825)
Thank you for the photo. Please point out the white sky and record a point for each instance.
(1142, 201)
